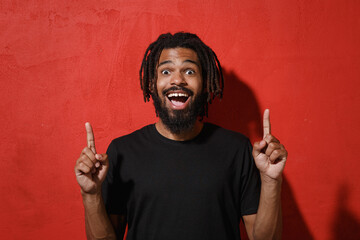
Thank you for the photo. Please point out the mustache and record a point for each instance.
(178, 88)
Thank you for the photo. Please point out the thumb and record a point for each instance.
(258, 146)
(103, 158)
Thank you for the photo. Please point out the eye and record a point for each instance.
(165, 72)
(190, 72)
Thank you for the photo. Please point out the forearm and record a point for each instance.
(97, 223)
(268, 222)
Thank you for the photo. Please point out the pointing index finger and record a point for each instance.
(266, 122)
(90, 137)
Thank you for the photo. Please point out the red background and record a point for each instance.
(63, 63)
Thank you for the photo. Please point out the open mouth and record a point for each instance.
(178, 99)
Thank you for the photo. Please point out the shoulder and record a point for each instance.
(226, 136)
(231, 145)
(135, 137)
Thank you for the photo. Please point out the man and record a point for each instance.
(181, 178)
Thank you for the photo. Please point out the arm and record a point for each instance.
(119, 223)
(270, 157)
(97, 223)
(90, 170)
(268, 220)
(267, 223)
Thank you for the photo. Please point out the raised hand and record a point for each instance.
(269, 155)
(91, 168)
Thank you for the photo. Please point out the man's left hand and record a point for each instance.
(269, 155)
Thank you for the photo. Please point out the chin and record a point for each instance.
(177, 121)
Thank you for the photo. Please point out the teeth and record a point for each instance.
(178, 95)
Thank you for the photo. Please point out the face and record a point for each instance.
(179, 98)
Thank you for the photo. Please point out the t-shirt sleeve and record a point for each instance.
(113, 197)
(250, 183)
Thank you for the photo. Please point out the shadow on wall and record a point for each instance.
(345, 224)
(239, 111)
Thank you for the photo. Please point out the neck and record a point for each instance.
(182, 136)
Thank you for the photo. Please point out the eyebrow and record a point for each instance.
(186, 61)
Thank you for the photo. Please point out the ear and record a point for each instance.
(152, 87)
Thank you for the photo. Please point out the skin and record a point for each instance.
(90, 172)
(181, 67)
(270, 157)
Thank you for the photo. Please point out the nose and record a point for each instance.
(178, 79)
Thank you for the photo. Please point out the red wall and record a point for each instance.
(62, 64)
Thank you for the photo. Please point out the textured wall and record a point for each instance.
(63, 63)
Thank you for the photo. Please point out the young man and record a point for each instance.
(181, 178)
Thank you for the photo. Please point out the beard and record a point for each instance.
(177, 121)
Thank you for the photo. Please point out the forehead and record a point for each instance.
(178, 54)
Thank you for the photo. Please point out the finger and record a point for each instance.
(102, 158)
(257, 148)
(91, 156)
(104, 166)
(278, 155)
(270, 138)
(275, 155)
(97, 164)
(90, 137)
(82, 168)
(271, 148)
(87, 161)
(266, 122)
(98, 157)
(86, 151)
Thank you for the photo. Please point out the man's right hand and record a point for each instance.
(91, 168)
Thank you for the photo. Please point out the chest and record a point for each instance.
(175, 172)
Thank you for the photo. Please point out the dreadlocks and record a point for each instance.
(213, 80)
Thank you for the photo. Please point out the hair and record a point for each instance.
(213, 80)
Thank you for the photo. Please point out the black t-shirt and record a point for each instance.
(196, 189)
